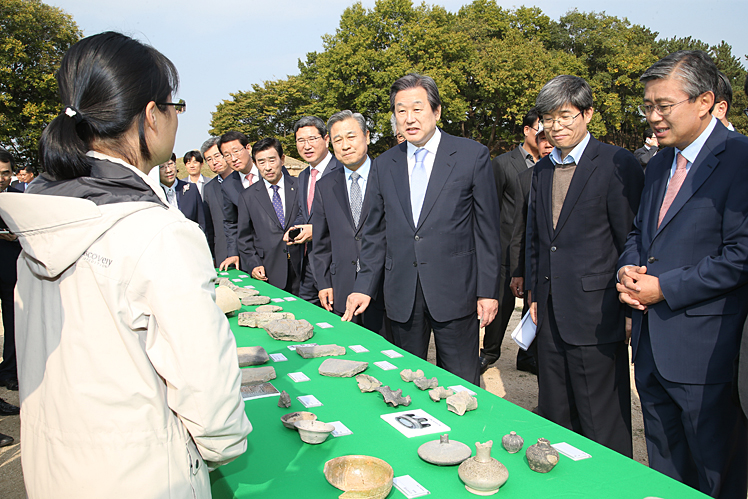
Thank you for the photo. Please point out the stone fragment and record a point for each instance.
(394, 398)
(314, 351)
(424, 383)
(227, 300)
(256, 375)
(367, 383)
(289, 330)
(440, 392)
(225, 281)
(240, 292)
(259, 319)
(407, 375)
(255, 300)
(269, 308)
(461, 402)
(340, 368)
(252, 356)
(284, 400)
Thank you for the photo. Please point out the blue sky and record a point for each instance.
(224, 46)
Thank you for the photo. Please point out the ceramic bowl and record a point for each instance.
(362, 477)
(289, 419)
(313, 432)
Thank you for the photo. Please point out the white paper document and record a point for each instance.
(524, 333)
(415, 422)
(409, 487)
(570, 451)
(278, 357)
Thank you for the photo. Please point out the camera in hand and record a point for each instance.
(294, 233)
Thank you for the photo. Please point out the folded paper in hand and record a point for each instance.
(524, 333)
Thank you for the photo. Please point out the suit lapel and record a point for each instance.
(544, 201)
(581, 175)
(443, 163)
(264, 199)
(341, 195)
(364, 211)
(290, 192)
(659, 185)
(399, 172)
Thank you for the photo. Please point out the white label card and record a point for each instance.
(358, 348)
(223, 273)
(277, 300)
(298, 377)
(309, 401)
(278, 357)
(293, 347)
(570, 451)
(409, 487)
(383, 364)
(392, 354)
(243, 276)
(460, 388)
(249, 287)
(324, 325)
(236, 280)
(340, 429)
(289, 298)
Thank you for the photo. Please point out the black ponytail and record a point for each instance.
(105, 83)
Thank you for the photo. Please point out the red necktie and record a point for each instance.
(250, 177)
(312, 183)
(672, 189)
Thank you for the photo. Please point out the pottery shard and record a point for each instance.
(367, 383)
(407, 375)
(259, 319)
(227, 300)
(269, 308)
(248, 301)
(314, 351)
(240, 292)
(424, 383)
(252, 356)
(394, 398)
(340, 368)
(257, 375)
(440, 392)
(284, 400)
(289, 329)
(461, 402)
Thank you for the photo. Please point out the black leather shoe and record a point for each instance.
(5, 440)
(7, 409)
(528, 367)
(10, 383)
(484, 363)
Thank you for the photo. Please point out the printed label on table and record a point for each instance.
(415, 422)
(236, 280)
(298, 377)
(262, 390)
(383, 364)
(570, 451)
(460, 388)
(324, 325)
(392, 354)
(278, 357)
(243, 275)
(223, 273)
(290, 298)
(293, 347)
(249, 287)
(409, 487)
(358, 348)
(340, 429)
(309, 401)
(277, 300)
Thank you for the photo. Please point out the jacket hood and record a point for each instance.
(57, 221)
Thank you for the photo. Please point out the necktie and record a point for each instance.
(418, 182)
(356, 198)
(250, 177)
(171, 197)
(312, 183)
(278, 205)
(672, 189)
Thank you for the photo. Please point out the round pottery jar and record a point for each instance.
(542, 457)
(482, 474)
(512, 442)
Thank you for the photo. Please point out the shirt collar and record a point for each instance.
(574, 156)
(322, 164)
(279, 184)
(154, 184)
(431, 146)
(692, 150)
(363, 170)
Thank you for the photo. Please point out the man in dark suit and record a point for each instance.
(648, 150)
(506, 167)
(311, 143)
(583, 199)
(432, 234)
(236, 152)
(742, 371)
(341, 208)
(267, 210)
(686, 266)
(213, 197)
(184, 196)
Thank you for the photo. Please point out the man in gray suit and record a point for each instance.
(213, 197)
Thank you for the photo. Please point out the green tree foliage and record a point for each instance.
(489, 63)
(33, 38)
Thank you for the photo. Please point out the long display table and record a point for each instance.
(278, 464)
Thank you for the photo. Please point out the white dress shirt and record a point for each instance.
(363, 172)
(254, 171)
(200, 183)
(281, 192)
(428, 162)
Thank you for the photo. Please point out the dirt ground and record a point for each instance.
(501, 379)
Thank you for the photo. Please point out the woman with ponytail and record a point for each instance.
(128, 375)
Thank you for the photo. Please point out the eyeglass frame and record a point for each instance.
(667, 108)
(311, 141)
(558, 120)
(176, 105)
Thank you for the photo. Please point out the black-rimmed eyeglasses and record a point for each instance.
(180, 107)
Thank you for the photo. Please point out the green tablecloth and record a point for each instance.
(278, 464)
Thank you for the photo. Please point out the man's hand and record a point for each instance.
(487, 310)
(637, 289)
(534, 312)
(325, 298)
(259, 273)
(8, 237)
(232, 260)
(304, 236)
(355, 305)
(517, 285)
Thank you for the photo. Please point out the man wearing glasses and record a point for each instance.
(584, 196)
(684, 272)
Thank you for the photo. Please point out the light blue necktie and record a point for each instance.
(278, 205)
(419, 180)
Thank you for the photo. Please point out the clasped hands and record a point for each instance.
(637, 289)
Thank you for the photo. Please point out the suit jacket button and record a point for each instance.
(651, 259)
(358, 238)
(418, 238)
(353, 262)
(415, 264)
(546, 278)
(553, 248)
